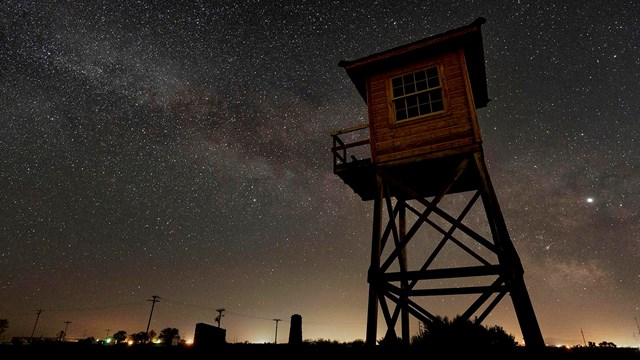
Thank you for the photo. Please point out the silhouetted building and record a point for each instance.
(295, 332)
(208, 335)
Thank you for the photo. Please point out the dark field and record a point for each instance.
(304, 351)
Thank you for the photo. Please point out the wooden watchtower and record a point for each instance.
(425, 146)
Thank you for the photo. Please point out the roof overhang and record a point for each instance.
(468, 37)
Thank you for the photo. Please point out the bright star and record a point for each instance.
(589, 200)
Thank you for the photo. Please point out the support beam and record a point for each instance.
(374, 269)
(400, 287)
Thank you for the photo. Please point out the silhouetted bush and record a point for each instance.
(462, 335)
(390, 340)
(88, 341)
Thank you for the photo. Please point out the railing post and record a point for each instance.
(335, 160)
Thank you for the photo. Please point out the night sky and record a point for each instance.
(182, 149)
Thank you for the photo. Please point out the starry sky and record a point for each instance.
(182, 149)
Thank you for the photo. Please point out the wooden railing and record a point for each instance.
(344, 150)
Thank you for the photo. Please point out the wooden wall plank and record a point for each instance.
(447, 130)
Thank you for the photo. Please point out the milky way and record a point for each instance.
(182, 149)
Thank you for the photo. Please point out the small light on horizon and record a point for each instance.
(589, 200)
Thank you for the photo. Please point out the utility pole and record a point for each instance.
(154, 300)
(277, 321)
(66, 327)
(39, 311)
(106, 337)
(583, 340)
(219, 317)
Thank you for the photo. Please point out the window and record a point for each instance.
(417, 94)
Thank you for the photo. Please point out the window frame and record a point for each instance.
(441, 86)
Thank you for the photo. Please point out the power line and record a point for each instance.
(209, 307)
(102, 307)
(251, 316)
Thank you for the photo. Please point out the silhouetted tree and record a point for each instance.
(119, 336)
(462, 335)
(4, 325)
(140, 337)
(88, 341)
(168, 334)
(607, 344)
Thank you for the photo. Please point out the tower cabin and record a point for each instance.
(422, 99)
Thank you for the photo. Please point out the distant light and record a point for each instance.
(189, 342)
(156, 341)
(108, 340)
(130, 342)
(589, 200)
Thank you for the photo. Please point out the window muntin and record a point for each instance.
(417, 94)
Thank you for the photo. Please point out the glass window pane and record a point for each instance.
(420, 75)
(437, 106)
(400, 114)
(421, 85)
(425, 109)
(435, 95)
(396, 82)
(432, 72)
(397, 92)
(413, 111)
(412, 101)
(409, 88)
(423, 98)
(399, 104)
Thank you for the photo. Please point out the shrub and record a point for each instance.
(462, 335)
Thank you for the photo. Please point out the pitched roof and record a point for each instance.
(468, 37)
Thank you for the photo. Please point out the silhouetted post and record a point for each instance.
(374, 270)
(295, 330)
(107, 336)
(154, 300)
(404, 284)
(66, 327)
(277, 321)
(220, 315)
(39, 311)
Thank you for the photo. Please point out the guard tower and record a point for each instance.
(425, 146)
